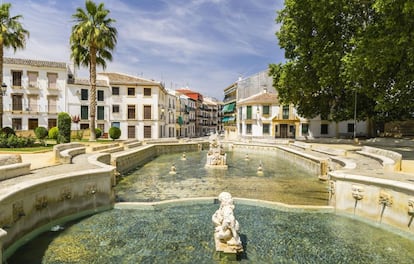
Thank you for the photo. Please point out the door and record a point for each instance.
(283, 130)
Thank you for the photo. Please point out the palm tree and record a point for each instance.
(12, 35)
(92, 40)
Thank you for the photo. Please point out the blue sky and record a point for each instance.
(203, 44)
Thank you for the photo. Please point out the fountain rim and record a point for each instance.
(210, 200)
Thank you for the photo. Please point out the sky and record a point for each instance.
(205, 45)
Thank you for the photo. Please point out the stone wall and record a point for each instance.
(384, 201)
(130, 159)
(315, 165)
(46, 201)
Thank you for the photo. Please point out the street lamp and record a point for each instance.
(3, 92)
(355, 115)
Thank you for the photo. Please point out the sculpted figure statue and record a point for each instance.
(226, 225)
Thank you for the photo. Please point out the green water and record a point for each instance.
(282, 181)
(184, 234)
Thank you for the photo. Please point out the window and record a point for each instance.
(51, 122)
(116, 124)
(350, 127)
(32, 79)
(84, 112)
(285, 113)
(115, 90)
(266, 110)
(248, 128)
(147, 91)
(147, 132)
(131, 131)
(51, 104)
(249, 112)
(84, 94)
(33, 123)
(131, 91)
(17, 78)
(131, 111)
(17, 123)
(51, 79)
(84, 126)
(305, 129)
(115, 108)
(17, 104)
(100, 95)
(147, 112)
(324, 129)
(101, 112)
(32, 103)
(266, 129)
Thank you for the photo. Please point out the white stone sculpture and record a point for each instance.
(227, 227)
(216, 156)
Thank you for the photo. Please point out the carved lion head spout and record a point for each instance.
(411, 206)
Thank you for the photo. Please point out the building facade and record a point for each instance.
(34, 93)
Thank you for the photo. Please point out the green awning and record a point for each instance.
(231, 118)
(180, 120)
(230, 109)
(225, 119)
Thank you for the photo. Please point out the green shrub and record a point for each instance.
(7, 131)
(53, 133)
(79, 134)
(41, 133)
(98, 132)
(14, 141)
(64, 123)
(114, 132)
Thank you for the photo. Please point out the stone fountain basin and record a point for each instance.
(181, 231)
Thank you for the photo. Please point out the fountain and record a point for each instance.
(226, 230)
(170, 231)
(260, 169)
(216, 156)
(173, 169)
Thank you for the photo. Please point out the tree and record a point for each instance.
(12, 35)
(316, 36)
(64, 123)
(382, 62)
(92, 40)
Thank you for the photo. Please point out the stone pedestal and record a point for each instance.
(223, 251)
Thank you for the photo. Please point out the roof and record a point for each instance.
(262, 98)
(120, 78)
(86, 82)
(35, 63)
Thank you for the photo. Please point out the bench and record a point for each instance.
(390, 160)
(14, 170)
(67, 155)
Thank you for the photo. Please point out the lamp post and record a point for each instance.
(355, 115)
(3, 92)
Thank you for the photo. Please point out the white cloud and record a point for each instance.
(205, 43)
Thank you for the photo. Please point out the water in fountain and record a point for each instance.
(281, 181)
(183, 234)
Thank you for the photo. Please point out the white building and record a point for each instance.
(35, 93)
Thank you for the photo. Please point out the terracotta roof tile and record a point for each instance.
(262, 98)
(119, 78)
(35, 63)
